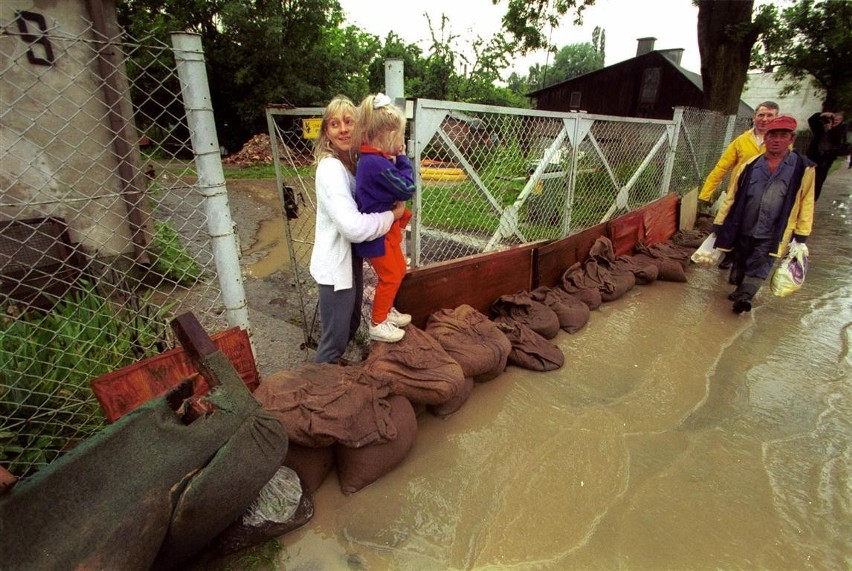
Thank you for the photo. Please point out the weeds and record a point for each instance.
(47, 360)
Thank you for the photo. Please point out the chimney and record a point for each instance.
(674, 55)
(645, 45)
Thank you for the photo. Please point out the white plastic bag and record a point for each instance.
(790, 274)
(707, 254)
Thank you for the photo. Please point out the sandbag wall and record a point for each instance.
(471, 319)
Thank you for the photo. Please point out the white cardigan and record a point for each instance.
(339, 224)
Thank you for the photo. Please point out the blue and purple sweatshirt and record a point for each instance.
(379, 182)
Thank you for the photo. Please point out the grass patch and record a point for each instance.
(47, 360)
(171, 258)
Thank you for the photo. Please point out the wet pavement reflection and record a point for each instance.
(678, 435)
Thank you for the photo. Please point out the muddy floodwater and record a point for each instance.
(678, 435)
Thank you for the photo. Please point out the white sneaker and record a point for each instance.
(386, 331)
(397, 318)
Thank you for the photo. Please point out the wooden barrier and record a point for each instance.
(475, 280)
(479, 280)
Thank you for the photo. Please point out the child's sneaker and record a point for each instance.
(397, 318)
(386, 331)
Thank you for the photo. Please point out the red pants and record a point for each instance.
(390, 269)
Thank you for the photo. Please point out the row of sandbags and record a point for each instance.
(363, 418)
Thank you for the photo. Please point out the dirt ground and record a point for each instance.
(272, 300)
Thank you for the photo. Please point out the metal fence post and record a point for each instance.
(189, 58)
(674, 136)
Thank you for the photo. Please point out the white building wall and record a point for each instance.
(801, 104)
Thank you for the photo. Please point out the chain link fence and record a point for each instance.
(104, 229)
(493, 177)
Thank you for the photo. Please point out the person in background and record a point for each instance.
(741, 149)
(384, 176)
(828, 142)
(339, 224)
(770, 201)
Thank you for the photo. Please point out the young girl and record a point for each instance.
(384, 176)
(337, 271)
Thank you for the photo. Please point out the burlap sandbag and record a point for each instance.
(444, 410)
(601, 267)
(321, 404)
(529, 349)
(313, 465)
(575, 284)
(417, 367)
(667, 269)
(523, 308)
(572, 313)
(671, 259)
(611, 282)
(644, 271)
(472, 340)
(360, 467)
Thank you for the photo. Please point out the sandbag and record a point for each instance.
(644, 271)
(601, 269)
(313, 465)
(667, 250)
(523, 308)
(321, 403)
(667, 269)
(575, 284)
(148, 490)
(472, 340)
(612, 283)
(445, 409)
(417, 367)
(572, 313)
(360, 467)
(529, 349)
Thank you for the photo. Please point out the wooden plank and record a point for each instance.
(625, 231)
(123, 390)
(475, 280)
(552, 259)
(688, 209)
(661, 219)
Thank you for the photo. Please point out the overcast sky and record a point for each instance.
(672, 22)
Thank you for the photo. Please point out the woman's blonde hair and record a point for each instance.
(339, 106)
(377, 116)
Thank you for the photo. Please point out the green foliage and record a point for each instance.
(572, 61)
(171, 258)
(811, 38)
(47, 361)
(528, 20)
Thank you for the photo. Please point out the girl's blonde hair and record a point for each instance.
(339, 106)
(375, 119)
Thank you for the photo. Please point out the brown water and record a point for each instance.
(678, 435)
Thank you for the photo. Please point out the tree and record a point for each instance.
(524, 20)
(260, 52)
(572, 61)
(726, 34)
(812, 39)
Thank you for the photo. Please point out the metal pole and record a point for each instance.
(395, 81)
(395, 89)
(673, 133)
(189, 57)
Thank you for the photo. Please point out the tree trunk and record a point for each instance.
(725, 37)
